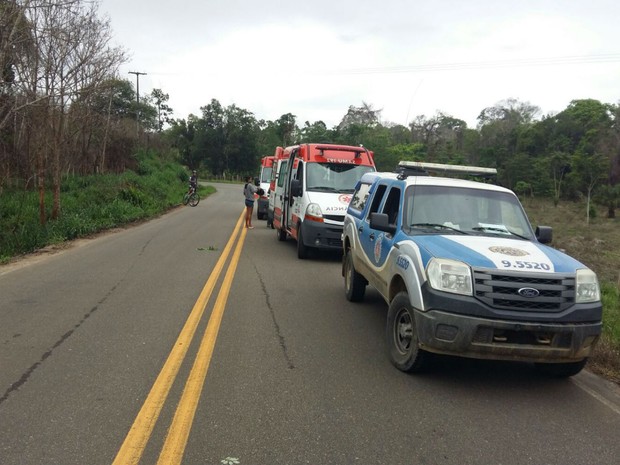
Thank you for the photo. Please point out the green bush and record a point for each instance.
(90, 204)
(611, 312)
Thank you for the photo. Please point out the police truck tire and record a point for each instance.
(354, 283)
(402, 336)
(561, 370)
(302, 250)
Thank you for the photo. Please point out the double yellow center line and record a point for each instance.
(133, 447)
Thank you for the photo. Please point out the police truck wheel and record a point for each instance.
(354, 283)
(302, 250)
(402, 336)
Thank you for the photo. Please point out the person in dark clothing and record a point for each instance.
(249, 191)
(193, 181)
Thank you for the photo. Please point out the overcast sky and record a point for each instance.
(406, 57)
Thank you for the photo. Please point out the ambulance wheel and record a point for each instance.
(402, 336)
(281, 233)
(354, 283)
(302, 249)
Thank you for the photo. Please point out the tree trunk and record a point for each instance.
(41, 183)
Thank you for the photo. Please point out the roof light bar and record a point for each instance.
(423, 168)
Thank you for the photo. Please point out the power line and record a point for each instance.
(456, 66)
(473, 65)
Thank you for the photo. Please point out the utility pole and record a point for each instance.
(138, 74)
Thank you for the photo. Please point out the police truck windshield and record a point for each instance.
(334, 177)
(439, 209)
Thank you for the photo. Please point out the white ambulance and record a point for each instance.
(266, 168)
(314, 184)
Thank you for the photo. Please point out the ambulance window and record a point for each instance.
(265, 174)
(358, 202)
(283, 168)
(274, 174)
(376, 200)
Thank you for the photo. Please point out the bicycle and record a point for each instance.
(191, 197)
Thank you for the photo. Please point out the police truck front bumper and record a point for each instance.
(466, 336)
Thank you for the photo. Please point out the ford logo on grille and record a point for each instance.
(528, 292)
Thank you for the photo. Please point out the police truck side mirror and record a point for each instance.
(381, 222)
(544, 234)
(256, 181)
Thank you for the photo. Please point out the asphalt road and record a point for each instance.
(126, 349)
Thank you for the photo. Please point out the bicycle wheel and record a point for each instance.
(185, 199)
(194, 199)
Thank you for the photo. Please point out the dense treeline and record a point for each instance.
(572, 154)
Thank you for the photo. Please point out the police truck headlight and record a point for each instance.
(449, 276)
(314, 213)
(586, 287)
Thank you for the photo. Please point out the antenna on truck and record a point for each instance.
(418, 168)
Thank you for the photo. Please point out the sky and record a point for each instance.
(407, 58)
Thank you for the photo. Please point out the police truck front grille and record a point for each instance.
(531, 292)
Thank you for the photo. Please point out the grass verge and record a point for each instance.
(90, 204)
(597, 245)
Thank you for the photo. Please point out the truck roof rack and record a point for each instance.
(418, 168)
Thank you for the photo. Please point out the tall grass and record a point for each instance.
(611, 313)
(90, 204)
(597, 245)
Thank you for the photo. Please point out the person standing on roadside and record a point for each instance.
(248, 193)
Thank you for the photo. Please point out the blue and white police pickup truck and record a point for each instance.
(464, 273)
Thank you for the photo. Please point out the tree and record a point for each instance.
(227, 139)
(164, 112)
(181, 136)
(500, 130)
(268, 137)
(558, 168)
(609, 196)
(511, 111)
(286, 128)
(315, 132)
(442, 135)
(389, 160)
(589, 171)
(65, 61)
(364, 116)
